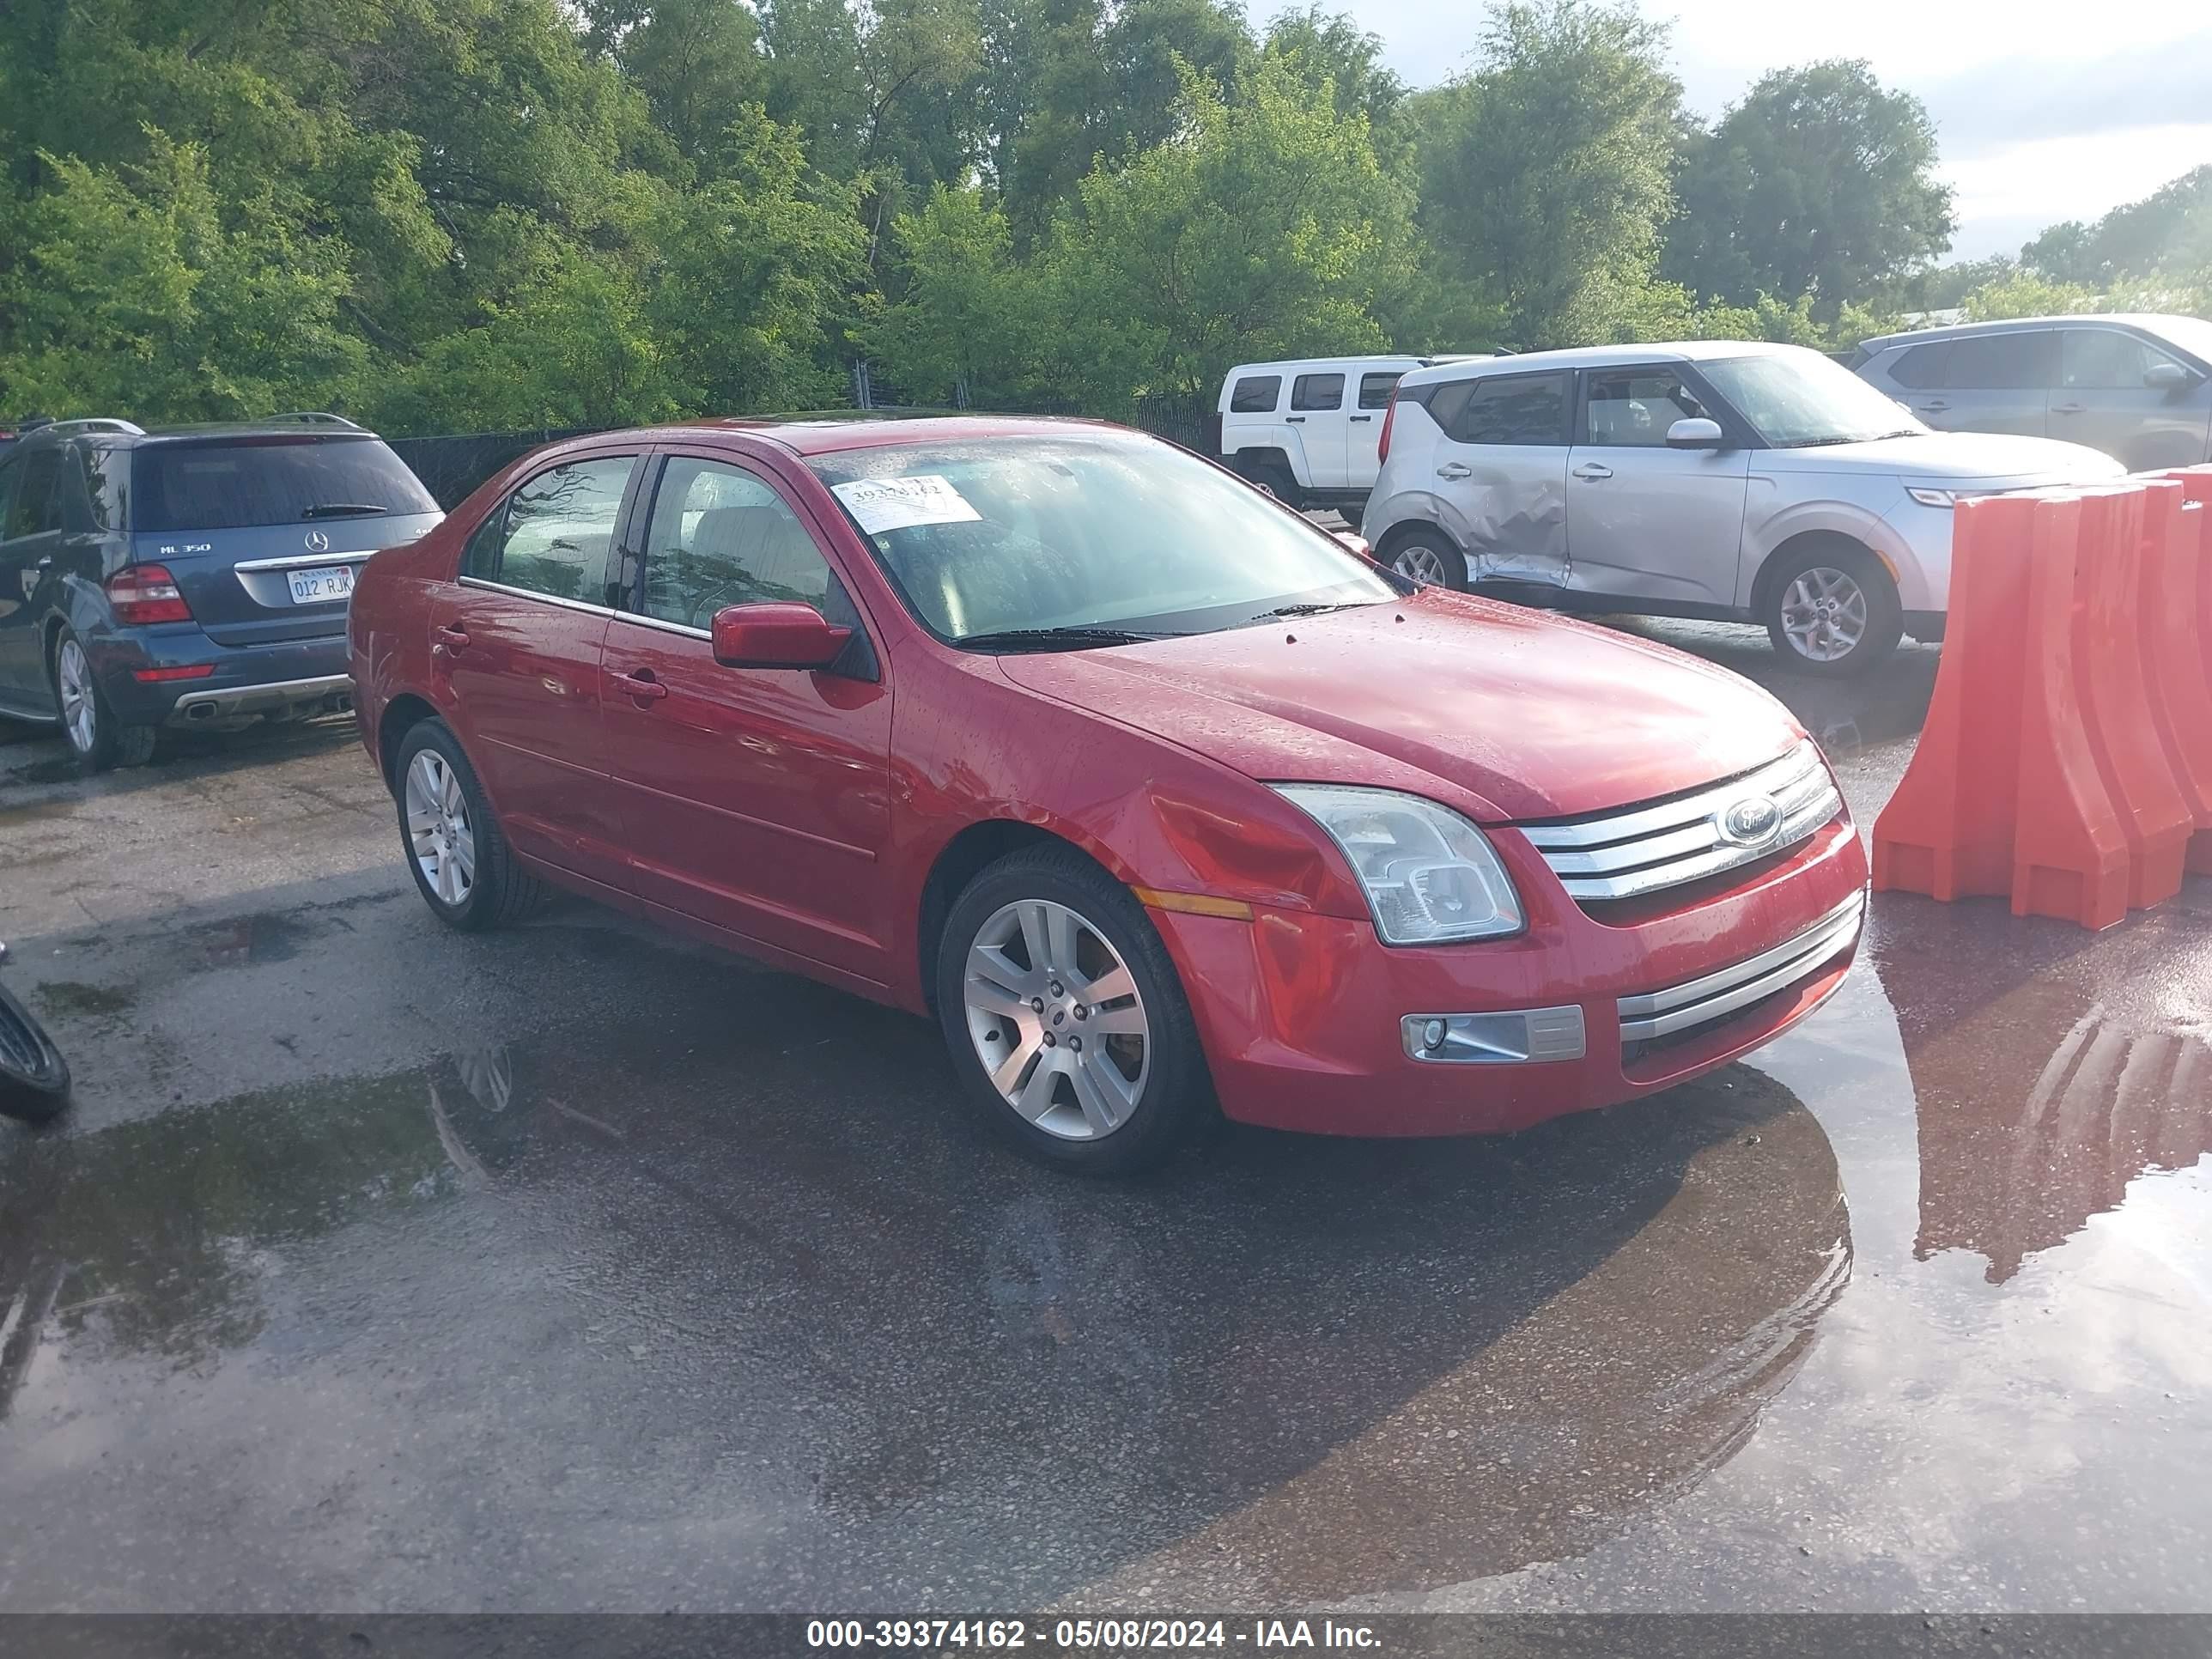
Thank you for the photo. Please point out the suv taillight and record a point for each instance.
(147, 594)
(1389, 414)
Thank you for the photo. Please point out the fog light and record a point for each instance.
(1432, 1035)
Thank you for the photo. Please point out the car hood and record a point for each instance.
(1984, 459)
(1518, 713)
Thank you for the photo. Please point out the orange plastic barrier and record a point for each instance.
(2069, 853)
(1947, 831)
(2178, 607)
(2112, 629)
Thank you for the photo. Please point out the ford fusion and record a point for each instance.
(1158, 798)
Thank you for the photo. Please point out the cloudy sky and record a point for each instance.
(2043, 113)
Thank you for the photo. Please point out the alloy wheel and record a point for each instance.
(1824, 614)
(439, 833)
(1056, 1019)
(80, 712)
(1421, 563)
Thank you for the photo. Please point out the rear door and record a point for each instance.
(1644, 521)
(516, 642)
(1501, 471)
(2102, 400)
(756, 798)
(1370, 396)
(265, 532)
(1317, 410)
(1996, 382)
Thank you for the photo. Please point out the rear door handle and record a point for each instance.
(1455, 470)
(639, 683)
(1357, 418)
(1593, 469)
(1295, 420)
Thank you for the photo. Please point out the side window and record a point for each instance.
(1918, 368)
(720, 536)
(1519, 408)
(2106, 359)
(1633, 407)
(553, 534)
(1317, 392)
(37, 504)
(2025, 360)
(11, 474)
(1255, 394)
(1375, 390)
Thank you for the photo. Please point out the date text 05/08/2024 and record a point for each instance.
(1089, 1635)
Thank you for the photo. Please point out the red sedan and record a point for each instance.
(1152, 792)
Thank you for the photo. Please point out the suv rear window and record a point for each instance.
(1255, 394)
(229, 483)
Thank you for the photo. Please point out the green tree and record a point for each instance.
(2170, 229)
(1545, 172)
(1820, 181)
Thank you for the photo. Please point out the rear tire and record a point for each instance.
(96, 737)
(1427, 556)
(455, 849)
(1831, 610)
(1141, 1088)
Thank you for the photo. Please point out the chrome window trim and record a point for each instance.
(1724, 992)
(643, 621)
(543, 598)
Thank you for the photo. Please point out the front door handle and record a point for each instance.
(1934, 406)
(1593, 469)
(640, 683)
(2068, 409)
(1455, 470)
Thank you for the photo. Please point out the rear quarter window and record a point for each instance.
(232, 484)
(1256, 394)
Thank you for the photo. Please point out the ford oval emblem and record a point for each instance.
(318, 541)
(1752, 822)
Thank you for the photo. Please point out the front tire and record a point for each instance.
(34, 1079)
(1064, 1017)
(455, 849)
(96, 737)
(1832, 610)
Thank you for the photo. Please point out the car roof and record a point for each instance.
(116, 431)
(2154, 321)
(826, 436)
(1667, 351)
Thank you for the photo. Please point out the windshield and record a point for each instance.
(1796, 399)
(993, 536)
(229, 483)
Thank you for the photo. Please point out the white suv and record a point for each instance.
(1726, 479)
(1308, 429)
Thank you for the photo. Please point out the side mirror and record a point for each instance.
(776, 635)
(2164, 377)
(1695, 432)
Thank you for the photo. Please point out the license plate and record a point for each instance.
(322, 584)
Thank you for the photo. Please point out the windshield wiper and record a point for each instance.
(342, 510)
(1047, 639)
(1310, 608)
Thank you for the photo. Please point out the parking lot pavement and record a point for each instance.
(381, 1267)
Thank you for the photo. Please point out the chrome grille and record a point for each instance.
(1716, 995)
(1645, 848)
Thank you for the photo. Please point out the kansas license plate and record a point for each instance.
(321, 585)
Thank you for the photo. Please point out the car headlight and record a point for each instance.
(1428, 875)
(1931, 497)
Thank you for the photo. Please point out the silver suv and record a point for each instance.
(1725, 479)
(2139, 388)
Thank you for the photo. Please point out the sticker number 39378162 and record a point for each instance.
(881, 504)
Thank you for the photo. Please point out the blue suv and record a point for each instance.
(196, 576)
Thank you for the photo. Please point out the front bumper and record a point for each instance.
(1310, 1023)
(290, 680)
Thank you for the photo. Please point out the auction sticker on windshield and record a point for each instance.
(881, 504)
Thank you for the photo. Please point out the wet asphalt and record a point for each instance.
(378, 1268)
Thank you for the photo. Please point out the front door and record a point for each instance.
(517, 642)
(1644, 521)
(2105, 400)
(756, 798)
